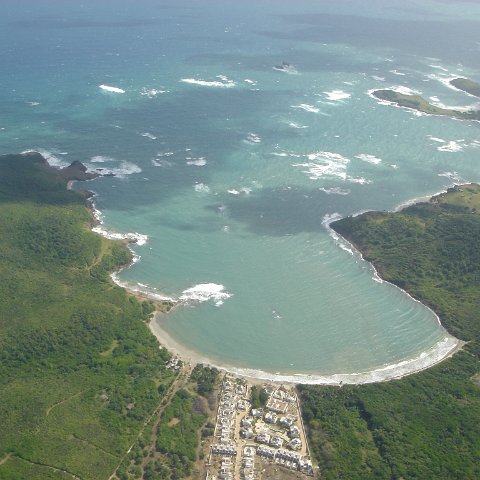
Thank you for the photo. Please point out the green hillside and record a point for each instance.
(426, 425)
(79, 370)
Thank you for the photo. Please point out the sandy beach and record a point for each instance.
(443, 350)
(439, 352)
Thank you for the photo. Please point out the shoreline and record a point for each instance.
(451, 345)
(422, 361)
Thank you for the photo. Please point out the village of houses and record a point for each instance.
(249, 443)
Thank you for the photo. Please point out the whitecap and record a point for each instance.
(454, 176)
(396, 72)
(110, 89)
(204, 292)
(306, 107)
(152, 92)
(335, 191)
(250, 82)
(376, 77)
(436, 139)
(101, 159)
(330, 165)
(149, 135)
(201, 188)
(244, 190)
(253, 138)
(297, 125)
(223, 83)
(452, 146)
(197, 162)
(365, 157)
(337, 95)
(161, 163)
(439, 67)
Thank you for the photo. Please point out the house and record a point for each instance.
(263, 438)
(294, 432)
(257, 412)
(271, 417)
(295, 444)
(276, 442)
(246, 433)
(247, 422)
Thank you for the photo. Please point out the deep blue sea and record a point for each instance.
(236, 131)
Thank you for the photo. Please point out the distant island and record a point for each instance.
(418, 103)
(466, 85)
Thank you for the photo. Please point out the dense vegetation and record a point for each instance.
(206, 377)
(426, 425)
(467, 85)
(416, 102)
(259, 397)
(80, 372)
(178, 435)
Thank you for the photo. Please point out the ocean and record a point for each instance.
(236, 131)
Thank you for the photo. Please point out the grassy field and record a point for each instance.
(80, 371)
(426, 425)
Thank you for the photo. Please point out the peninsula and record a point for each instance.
(425, 425)
(418, 103)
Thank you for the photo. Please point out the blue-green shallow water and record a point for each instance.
(231, 167)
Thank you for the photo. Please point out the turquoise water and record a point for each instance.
(232, 168)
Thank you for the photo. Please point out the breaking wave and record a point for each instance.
(365, 157)
(222, 82)
(51, 156)
(121, 169)
(197, 162)
(110, 89)
(337, 95)
(328, 165)
(204, 292)
(201, 188)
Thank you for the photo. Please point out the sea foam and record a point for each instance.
(328, 165)
(365, 157)
(337, 95)
(110, 89)
(437, 353)
(204, 292)
(51, 156)
(197, 162)
(222, 82)
(122, 168)
(201, 188)
(306, 107)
